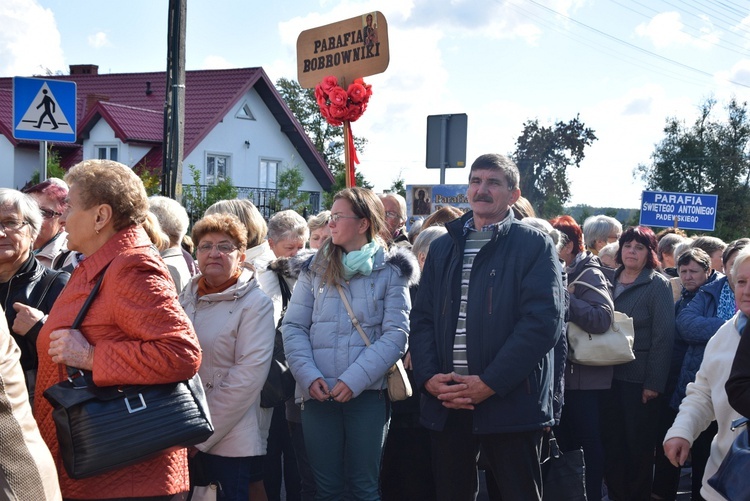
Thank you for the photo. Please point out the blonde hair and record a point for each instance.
(155, 233)
(319, 220)
(248, 215)
(365, 205)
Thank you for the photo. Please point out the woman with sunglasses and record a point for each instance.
(51, 245)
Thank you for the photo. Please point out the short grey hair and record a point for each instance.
(668, 244)
(425, 238)
(609, 250)
(598, 228)
(709, 244)
(545, 227)
(172, 217)
(399, 200)
(287, 224)
(26, 207)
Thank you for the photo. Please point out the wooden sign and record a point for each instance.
(354, 48)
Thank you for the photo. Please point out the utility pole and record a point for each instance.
(174, 102)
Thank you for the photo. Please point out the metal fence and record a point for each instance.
(266, 200)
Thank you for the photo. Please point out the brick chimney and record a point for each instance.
(84, 69)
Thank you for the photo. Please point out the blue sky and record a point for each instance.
(623, 65)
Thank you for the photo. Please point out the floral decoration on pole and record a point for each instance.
(341, 107)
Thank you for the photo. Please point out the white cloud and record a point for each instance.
(214, 62)
(667, 29)
(29, 39)
(625, 139)
(740, 73)
(99, 40)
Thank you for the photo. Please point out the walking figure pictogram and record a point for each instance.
(48, 103)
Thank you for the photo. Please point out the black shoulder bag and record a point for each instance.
(279, 385)
(104, 428)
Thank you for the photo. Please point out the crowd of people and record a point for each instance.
(476, 305)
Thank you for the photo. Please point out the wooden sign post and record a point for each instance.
(348, 50)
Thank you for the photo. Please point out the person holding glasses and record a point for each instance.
(28, 288)
(51, 245)
(233, 319)
(345, 413)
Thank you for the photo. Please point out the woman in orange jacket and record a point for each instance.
(136, 332)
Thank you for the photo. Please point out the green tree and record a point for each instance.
(543, 155)
(196, 199)
(327, 139)
(709, 156)
(288, 186)
(399, 185)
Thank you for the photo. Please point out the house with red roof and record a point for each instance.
(237, 126)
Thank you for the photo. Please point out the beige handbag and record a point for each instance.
(613, 347)
(397, 381)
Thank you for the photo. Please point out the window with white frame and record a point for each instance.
(245, 113)
(106, 152)
(217, 168)
(269, 170)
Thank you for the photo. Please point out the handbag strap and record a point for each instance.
(72, 371)
(606, 296)
(351, 315)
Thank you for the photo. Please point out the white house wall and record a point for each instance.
(267, 142)
(17, 165)
(102, 134)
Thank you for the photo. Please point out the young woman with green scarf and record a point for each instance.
(345, 413)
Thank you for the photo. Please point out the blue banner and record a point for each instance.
(689, 211)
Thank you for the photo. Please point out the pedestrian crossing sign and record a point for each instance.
(44, 109)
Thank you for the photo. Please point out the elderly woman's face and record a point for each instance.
(742, 287)
(15, 244)
(80, 223)
(634, 255)
(286, 247)
(218, 257)
(692, 275)
(51, 225)
(317, 237)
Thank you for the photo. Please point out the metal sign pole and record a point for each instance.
(43, 161)
(443, 145)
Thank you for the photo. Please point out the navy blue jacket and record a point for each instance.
(516, 314)
(696, 323)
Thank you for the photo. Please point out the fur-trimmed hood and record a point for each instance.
(402, 259)
(290, 267)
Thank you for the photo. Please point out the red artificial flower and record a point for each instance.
(329, 83)
(338, 97)
(357, 92)
(337, 104)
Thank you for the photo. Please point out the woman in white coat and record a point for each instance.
(234, 322)
(706, 399)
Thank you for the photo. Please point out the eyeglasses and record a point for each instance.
(390, 214)
(335, 217)
(223, 248)
(49, 213)
(12, 225)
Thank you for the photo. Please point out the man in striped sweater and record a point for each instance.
(489, 311)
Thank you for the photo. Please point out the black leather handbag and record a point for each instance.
(105, 428)
(280, 383)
